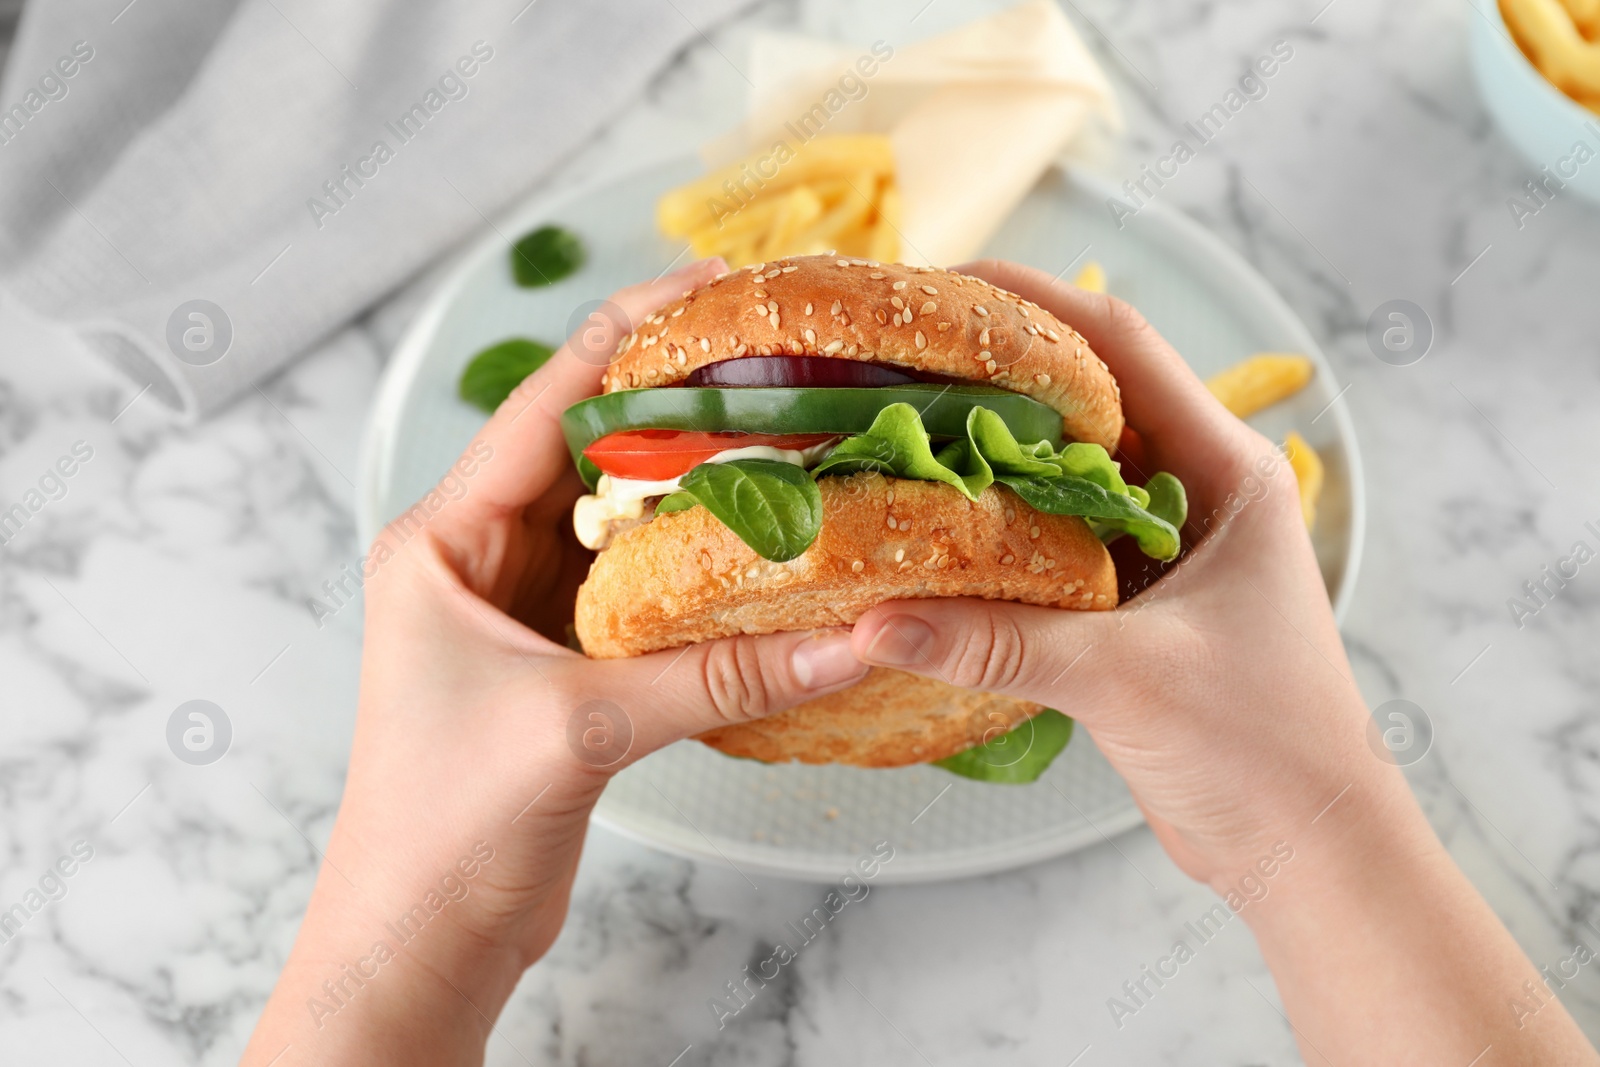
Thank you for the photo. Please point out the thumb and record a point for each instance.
(1046, 655)
(671, 695)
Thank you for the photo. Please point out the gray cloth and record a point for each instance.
(205, 190)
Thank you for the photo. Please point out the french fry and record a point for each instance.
(1260, 381)
(1092, 278)
(801, 207)
(1585, 15)
(885, 244)
(712, 199)
(849, 208)
(1308, 472)
(1547, 32)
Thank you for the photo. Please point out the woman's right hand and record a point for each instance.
(1221, 692)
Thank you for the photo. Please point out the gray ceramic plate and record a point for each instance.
(814, 822)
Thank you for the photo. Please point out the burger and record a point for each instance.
(800, 440)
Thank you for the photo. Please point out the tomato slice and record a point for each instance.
(656, 455)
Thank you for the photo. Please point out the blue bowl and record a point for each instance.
(1545, 124)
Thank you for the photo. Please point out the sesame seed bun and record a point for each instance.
(684, 577)
(932, 320)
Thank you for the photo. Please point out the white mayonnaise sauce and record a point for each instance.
(622, 499)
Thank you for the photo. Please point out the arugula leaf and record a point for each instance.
(493, 373)
(773, 507)
(545, 256)
(1018, 756)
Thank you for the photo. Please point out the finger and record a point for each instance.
(521, 451)
(668, 696)
(1018, 650)
(1183, 427)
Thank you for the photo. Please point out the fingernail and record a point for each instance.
(826, 660)
(904, 641)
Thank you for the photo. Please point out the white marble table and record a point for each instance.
(178, 564)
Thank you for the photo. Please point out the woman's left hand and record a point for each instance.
(482, 741)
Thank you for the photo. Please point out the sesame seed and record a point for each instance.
(858, 566)
(890, 498)
(1055, 338)
(981, 310)
(983, 337)
(899, 554)
(899, 285)
(1033, 531)
(922, 342)
(843, 262)
(683, 357)
(835, 309)
(762, 293)
(892, 526)
(989, 366)
(808, 308)
(985, 355)
(1008, 558)
(772, 305)
(741, 350)
(773, 319)
(881, 317)
(1011, 515)
(876, 276)
(897, 302)
(930, 290)
(1042, 379)
(832, 347)
(811, 336)
(929, 308)
(790, 269)
(852, 350)
(761, 309)
(943, 326)
(1033, 329)
(705, 344)
(675, 314)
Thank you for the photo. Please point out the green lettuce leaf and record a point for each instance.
(774, 507)
(1018, 756)
(1081, 479)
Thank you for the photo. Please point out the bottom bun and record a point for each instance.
(888, 719)
(684, 577)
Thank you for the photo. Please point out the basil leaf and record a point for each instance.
(773, 507)
(1018, 756)
(545, 256)
(493, 373)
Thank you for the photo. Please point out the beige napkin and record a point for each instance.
(975, 115)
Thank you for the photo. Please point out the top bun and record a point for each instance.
(923, 318)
